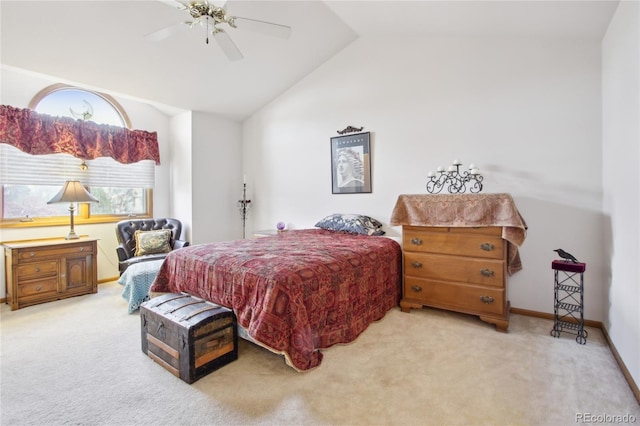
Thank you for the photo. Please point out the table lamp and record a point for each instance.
(72, 192)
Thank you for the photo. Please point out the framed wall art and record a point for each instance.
(351, 164)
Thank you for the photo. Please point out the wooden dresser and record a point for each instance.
(459, 269)
(41, 271)
(458, 250)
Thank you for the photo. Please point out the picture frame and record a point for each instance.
(351, 164)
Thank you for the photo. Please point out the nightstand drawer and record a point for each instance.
(452, 268)
(471, 244)
(37, 269)
(40, 253)
(41, 287)
(458, 297)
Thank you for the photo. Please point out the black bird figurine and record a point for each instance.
(566, 256)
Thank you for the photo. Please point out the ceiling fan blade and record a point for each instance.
(263, 27)
(174, 3)
(227, 45)
(168, 31)
(163, 33)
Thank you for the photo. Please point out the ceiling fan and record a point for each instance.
(212, 18)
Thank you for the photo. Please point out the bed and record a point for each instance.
(295, 292)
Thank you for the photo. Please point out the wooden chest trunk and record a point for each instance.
(188, 336)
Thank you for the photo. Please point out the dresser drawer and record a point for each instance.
(35, 288)
(453, 268)
(54, 251)
(458, 297)
(442, 241)
(36, 269)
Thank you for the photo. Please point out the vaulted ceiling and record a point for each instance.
(102, 44)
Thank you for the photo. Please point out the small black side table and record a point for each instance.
(568, 299)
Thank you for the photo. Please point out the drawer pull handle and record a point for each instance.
(416, 241)
(63, 275)
(486, 299)
(416, 264)
(37, 269)
(32, 254)
(416, 288)
(486, 272)
(81, 248)
(38, 288)
(487, 246)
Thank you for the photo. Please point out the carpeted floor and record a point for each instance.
(78, 361)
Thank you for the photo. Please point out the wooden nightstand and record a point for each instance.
(39, 271)
(266, 233)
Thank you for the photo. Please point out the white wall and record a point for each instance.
(181, 185)
(527, 112)
(621, 180)
(205, 171)
(217, 159)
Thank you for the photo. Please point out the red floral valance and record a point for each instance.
(36, 133)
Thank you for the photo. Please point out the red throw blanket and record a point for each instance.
(295, 292)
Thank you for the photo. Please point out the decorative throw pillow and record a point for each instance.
(352, 223)
(150, 242)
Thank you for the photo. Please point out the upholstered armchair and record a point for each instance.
(142, 240)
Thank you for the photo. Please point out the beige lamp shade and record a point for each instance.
(72, 192)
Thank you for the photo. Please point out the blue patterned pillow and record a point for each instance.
(352, 223)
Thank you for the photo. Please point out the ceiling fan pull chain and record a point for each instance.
(207, 30)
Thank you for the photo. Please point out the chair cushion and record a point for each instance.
(151, 242)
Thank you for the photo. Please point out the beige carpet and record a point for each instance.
(78, 361)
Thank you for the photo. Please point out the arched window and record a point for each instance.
(68, 101)
(29, 181)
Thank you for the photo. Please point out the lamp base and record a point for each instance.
(72, 236)
(72, 230)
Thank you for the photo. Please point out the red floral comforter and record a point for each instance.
(295, 292)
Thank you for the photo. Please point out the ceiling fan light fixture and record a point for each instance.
(202, 10)
(219, 14)
(198, 9)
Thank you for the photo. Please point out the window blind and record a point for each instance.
(19, 168)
